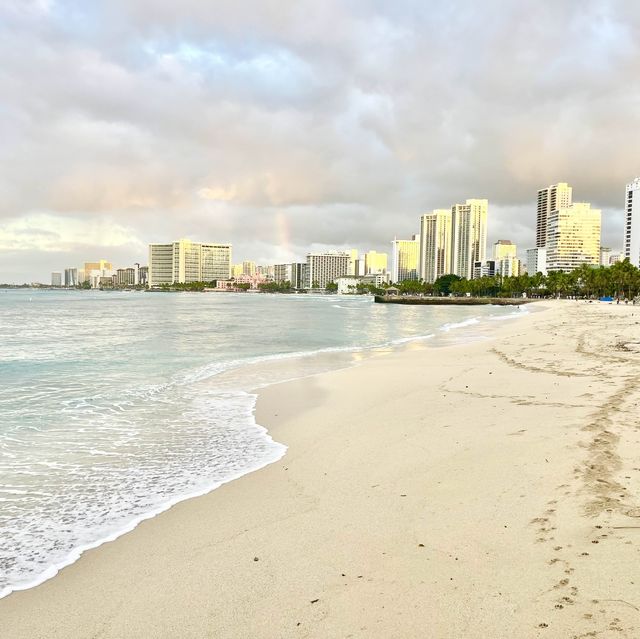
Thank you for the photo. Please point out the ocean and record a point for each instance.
(116, 405)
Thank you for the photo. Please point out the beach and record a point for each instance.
(482, 490)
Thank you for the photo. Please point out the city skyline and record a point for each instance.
(308, 135)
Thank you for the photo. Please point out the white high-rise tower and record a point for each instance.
(631, 244)
(551, 198)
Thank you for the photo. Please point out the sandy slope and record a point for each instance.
(482, 491)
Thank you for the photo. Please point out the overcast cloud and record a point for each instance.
(281, 125)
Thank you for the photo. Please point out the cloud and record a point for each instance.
(347, 119)
(52, 233)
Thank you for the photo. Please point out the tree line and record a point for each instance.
(622, 280)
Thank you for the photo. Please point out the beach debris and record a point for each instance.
(420, 545)
(256, 559)
(315, 601)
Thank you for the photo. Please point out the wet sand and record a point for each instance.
(481, 491)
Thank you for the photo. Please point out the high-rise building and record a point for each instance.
(102, 265)
(294, 273)
(605, 256)
(324, 268)
(56, 278)
(374, 263)
(70, 277)
(508, 267)
(125, 277)
(505, 256)
(552, 198)
(537, 261)
(298, 275)
(249, 268)
(631, 244)
(573, 237)
(282, 273)
(435, 245)
(468, 236)
(184, 261)
(405, 259)
(504, 248)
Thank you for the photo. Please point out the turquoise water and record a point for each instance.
(113, 406)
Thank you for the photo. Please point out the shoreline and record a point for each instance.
(207, 487)
(319, 508)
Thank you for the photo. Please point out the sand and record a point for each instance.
(490, 490)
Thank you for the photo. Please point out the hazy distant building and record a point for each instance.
(298, 275)
(537, 261)
(71, 277)
(614, 258)
(484, 269)
(267, 272)
(605, 256)
(125, 277)
(507, 263)
(325, 268)
(508, 267)
(631, 244)
(143, 275)
(374, 263)
(551, 198)
(293, 272)
(405, 259)
(282, 273)
(503, 249)
(185, 261)
(468, 236)
(573, 237)
(102, 265)
(56, 278)
(435, 245)
(249, 268)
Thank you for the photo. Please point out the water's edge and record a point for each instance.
(275, 455)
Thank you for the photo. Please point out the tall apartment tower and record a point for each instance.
(184, 261)
(435, 244)
(631, 244)
(405, 259)
(573, 237)
(468, 236)
(554, 197)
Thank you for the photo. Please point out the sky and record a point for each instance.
(283, 126)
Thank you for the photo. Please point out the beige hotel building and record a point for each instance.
(185, 261)
(573, 237)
